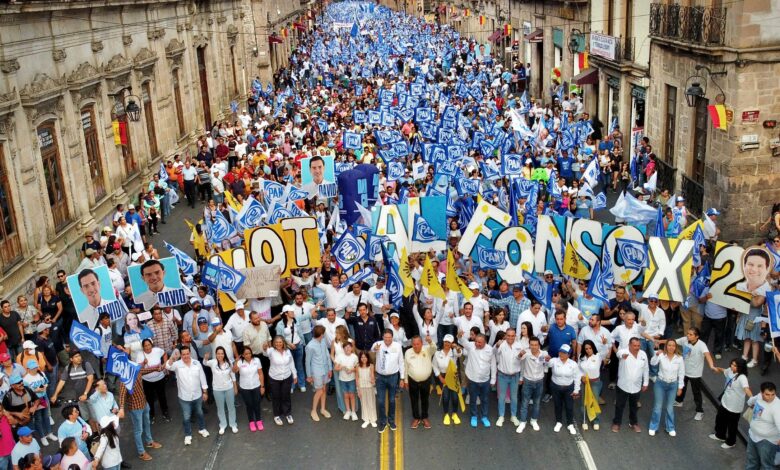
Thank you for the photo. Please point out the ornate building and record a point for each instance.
(710, 54)
(71, 77)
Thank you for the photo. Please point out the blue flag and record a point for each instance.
(348, 251)
(222, 229)
(395, 287)
(491, 259)
(163, 173)
(538, 289)
(422, 230)
(598, 285)
(250, 215)
(210, 275)
(600, 202)
(659, 223)
(698, 242)
(119, 364)
(701, 281)
(354, 31)
(358, 277)
(187, 265)
(230, 279)
(773, 303)
(633, 254)
(85, 339)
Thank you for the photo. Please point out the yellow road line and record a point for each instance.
(384, 450)
(399, 434)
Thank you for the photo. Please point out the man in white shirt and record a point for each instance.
(764, 430)
(192, 390)
(117, 280)
(389, 369)
(481, 372)
(652, 319)
(330, 323)
(236, 325)
(378, 297)
(537, 318)
(508, 374)
(468, 320)
(308, 310)
(478, 302)
(710, 228)
(445, 312)
(633, 378)
(333, 294)
(534, 363)
(601, 337)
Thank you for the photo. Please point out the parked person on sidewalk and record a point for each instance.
(732, 402)
(668, 385)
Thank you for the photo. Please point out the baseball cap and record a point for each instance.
(29, 345)
(15, 379)
(395, 314)
(288, 308)
(548, 273)
(652, 297)
(24, 430)
(32, 364)
(202, 321)
(4, 357)
(107, 420)
(52, 460)
(239, 305)
(216, 321)
(131, 207)
(517, 287)
(448, 338)
(680, 199)
(42, 326)
(89, 252)
(473, 285)
(713, 211)
(565, 349)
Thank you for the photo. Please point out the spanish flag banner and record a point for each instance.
(718, 116)
(481, 20)
(590, 401)
(582, 60)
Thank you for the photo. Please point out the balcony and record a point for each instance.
(666, 175)
(694, 196)
(612, 49)
(700, 26)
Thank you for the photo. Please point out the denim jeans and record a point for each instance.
(188, 408)
(479, 390)
(663, 400)
(53, 378)
(142, 428)
(40, 423)
(386, 384)
(649, 348)
(595, 386)
(297, 355)
(449, 400)
(532, 391)
(507, 381)
(760, 455)
(225, 399)
(5, 463)
(563, 401)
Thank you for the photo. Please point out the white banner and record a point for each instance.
(603, 45)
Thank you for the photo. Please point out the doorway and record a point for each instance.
(204, 86)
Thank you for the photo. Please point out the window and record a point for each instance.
(52, 173)
(93, 152)
(177, 100)
(146, 97)
(700, 140)
(10, 248)
(671, 124)
(118, 114)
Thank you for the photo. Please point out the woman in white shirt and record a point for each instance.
(223, 384)
(108, 454)
(450, 352)
(394, 324)
(282, 374)
(668, 385)
(590, 365)
(426, 324)
(525, 335)
(130, 236)
(251, 386)
(152, 362)
(564, 387)
(289, 329)
(497, 324)
(731, 403)
(346, 365)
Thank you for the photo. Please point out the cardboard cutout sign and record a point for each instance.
(157, 282)
(669, 274)
(93, 294)
(726, 276)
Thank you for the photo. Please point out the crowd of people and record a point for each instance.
(326, 337)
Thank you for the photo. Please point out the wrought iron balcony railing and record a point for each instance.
(695, 25)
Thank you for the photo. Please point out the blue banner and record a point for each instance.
(187, 265)
(119, 364)
(85, 339)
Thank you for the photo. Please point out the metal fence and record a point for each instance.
(696, 25)
(694, 196)
(666, 175)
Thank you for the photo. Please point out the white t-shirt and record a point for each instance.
(347, 362)
(734, 393)
(693, 356)
(153, 359)
(248, 378)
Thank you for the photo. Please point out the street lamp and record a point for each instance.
(574, 42)
(695, 90)
(130, 108)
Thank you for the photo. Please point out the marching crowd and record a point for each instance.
(328, 337)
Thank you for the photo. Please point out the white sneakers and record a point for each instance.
(651, 432)
(52, 437)
(44, 441)
(672, 433)
(221, 431)
(534, 425)
(596, 426)
(349, 415)
(203, 433)
(234, 429)
(699, 416)
(521, 428)
(584, 426)
(557, 427)
(354, 416)
(572, 429)
(514, 421)
(500, 421)
(290, 419)
(677, 404)
(303, 389)
(187, 440)
(365, 424)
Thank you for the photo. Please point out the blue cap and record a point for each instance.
(24, 431)
(713, 211)
(15, 379)
(565, 349)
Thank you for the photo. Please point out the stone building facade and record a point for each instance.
(735, 170)
(68, 71)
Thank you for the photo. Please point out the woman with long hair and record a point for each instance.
(288, 329)
(426, 324)
(282, 374)
(223, 384)
(337, 348)
(152, 360)
(108, 454)
(732, 401)
(590, 364)
(668, 385)
(251, 386)
(366, 389)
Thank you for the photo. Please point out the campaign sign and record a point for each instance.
(157, 282)
(93, 294)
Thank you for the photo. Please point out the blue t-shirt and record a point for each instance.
(565, 165)
(589, 307)
(557, 337)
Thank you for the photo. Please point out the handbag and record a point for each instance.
(748, 414)
(749, 325)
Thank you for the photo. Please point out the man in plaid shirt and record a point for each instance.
(136, 404)
(164, 330)
(516, 304)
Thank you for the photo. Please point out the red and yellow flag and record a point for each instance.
(718, 116)
(481, 19)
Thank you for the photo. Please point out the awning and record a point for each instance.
(496, 35)
(588, 76)
(535, 36)
(274, 39)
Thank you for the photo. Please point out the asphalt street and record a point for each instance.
(335, 443)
